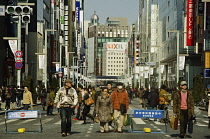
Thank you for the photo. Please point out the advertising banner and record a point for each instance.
(190, 23)
(22, 114)
(78, 12)
(181, 62)
(41, 61)
(13, 45)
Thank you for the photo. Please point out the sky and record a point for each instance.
(112, 8)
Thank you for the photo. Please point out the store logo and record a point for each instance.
(115, 46)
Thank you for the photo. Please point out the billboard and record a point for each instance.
(190, 23)
(116, 46)
(77, 14)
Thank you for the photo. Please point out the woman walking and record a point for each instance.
(86, 109)
(104, 110)
(8, 95)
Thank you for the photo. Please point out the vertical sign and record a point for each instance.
(207, 31)
(41, 61)
(207, 59)
(13, 45)
(78, 12)
(190, 23)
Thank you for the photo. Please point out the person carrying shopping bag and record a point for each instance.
(104, 110)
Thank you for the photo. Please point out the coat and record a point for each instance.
(163, 97)
(27, 97)
(119, 98)
(104, 108)
(177, 104)
(153, 99)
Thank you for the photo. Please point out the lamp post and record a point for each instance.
(68, 64)
(149, 67)
(177, 54)
(77, 72)
(45, 61)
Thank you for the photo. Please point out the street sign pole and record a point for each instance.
(19, 48)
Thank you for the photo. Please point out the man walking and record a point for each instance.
(67, 98)
(27, 98)
(183, 107)
(120, 106)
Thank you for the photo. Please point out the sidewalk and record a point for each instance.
(13, 107)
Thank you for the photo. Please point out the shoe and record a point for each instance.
(110, 127)
(120, 131)
(75, 119)
(84, 123)
(67, 134)
(102, 131)
(63, 134)
(181, 136)
(115, 130)
(106, 131)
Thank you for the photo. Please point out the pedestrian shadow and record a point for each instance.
(174, 135)
(72, 132)
(207, 137)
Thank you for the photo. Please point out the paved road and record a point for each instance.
(51, 128)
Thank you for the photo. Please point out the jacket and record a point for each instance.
(163, 97)
(70, 99)
(153, 99)
(80, 96)
(119, 98)
(177, 104)
(27, 97)
(104, 108)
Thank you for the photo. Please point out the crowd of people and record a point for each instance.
(110, 104)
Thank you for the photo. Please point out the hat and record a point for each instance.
(68, 81)
(183, 83)
(120, 83)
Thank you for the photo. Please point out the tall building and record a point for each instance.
(111, 31)
(114, 61)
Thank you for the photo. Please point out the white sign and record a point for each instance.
(2, 10)
(117, 46)
(22, 114)
(181, 62)
(150, 63)
(41, 61)
(18, 59)
(57, 66)
(205, 0)
(13, 45)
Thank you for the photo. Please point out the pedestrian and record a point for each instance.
(183, 107)
(19, 96)
(104, 110)
(80, 94)
(86, 109)
(120, 105)
(3, 89)
(153, 99)
(98, 93)
(51, 102)
(110, 90)
(145, 98)
(27, 98)
(67, 98)
(163, 100)
(43, 97)
(8, 96)
(140, 95)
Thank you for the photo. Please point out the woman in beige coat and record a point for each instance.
(104, 110)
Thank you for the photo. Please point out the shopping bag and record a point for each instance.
(125, 119)
(174, 122)
(89, 101)
(190, 126)
(128, 121)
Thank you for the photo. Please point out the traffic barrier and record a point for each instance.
(23, 114)
(138, 113)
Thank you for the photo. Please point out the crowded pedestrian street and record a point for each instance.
(91, 130)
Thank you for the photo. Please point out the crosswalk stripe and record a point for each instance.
(205, 121)
(9, 121)
(159, 123)
(199, 124)
(26, 121)
(45, 121)
(139, 121)
(79, 122)
(58, 122)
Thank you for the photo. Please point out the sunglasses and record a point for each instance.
(184, 85)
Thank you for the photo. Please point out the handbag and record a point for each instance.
(122, 107)
(96, 119)
(174, 122)
(89, 101)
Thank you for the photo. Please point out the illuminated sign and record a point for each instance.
(190, 24)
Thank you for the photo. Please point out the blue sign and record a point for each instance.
(78, 12)
(207, 73)
(149, 113)
(22, 114)
(18, 65)
(60, 69)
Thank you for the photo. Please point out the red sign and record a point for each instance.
(190, 23)
(18, 54)
(22, 115)
(18, 65)
(60, 74)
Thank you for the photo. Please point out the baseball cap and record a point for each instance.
(120, 83)
(183, 83)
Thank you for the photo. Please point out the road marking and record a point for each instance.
(26, 121)
(199, 124)
(139, 121)
(89, 131)
(9, 121)
(58, 122)
(159, 123)
(79, 122)
(206, 121)
(45, 121)
(90, 128)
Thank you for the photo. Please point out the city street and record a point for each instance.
(51, 128)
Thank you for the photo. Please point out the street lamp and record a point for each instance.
(177, 54)
(45, 61)
(68, 64)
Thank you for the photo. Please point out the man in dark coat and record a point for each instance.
(152, 99)
(183, 107)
